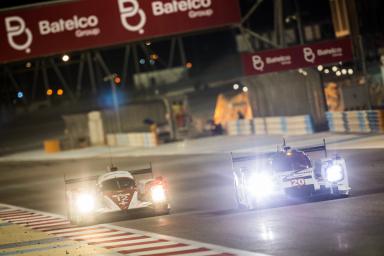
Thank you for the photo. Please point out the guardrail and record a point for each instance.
(293, 125)
(137, 139)
(240, 127)
(368, 121)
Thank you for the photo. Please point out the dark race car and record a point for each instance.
(288, 172)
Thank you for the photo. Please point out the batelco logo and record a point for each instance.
(309, 55)
(129, 9)
(16, 27)
(258, 63)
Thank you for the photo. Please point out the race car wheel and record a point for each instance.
(79, 220)
(162, 209)
(76, 219)
(343, 194)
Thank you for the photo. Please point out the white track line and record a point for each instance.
(127, 243)
(98, 235)
(49, 224)
(77, 232)
(109, 239)
(167, 250)
(34, 220)
(21, 216)
(32, 217)
(206, 253)
(135, 247)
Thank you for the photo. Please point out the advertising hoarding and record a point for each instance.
(302, 56)
(76, 25)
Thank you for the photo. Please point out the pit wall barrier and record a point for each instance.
(292, 125)
(240, 127)
(368, 121)
(139, 139)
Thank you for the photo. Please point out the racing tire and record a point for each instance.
(343, 195)
(163, 210)
(79, 220)
(76, 220)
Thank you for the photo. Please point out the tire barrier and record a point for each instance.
(259, 126)
(376, 120)
(357, 121)
(140, 139)
(240, 127)
(293, 125)
(370, 121)
(336, 121)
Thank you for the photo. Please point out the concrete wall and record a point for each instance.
(276, 94)
(288, 93)
(133, 115)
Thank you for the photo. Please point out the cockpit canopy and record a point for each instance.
(290, 160)
(117, 184)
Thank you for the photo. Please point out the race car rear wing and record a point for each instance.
(250, 157)
(316, 149)
(142, 171)
(256, 156)
(113, 168)
(78, 180)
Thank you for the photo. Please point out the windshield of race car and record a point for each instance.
(118, 184)
(290, 161)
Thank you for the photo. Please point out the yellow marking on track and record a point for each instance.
(16, 234)
(38, 247)
(19, 240)
(80, 249)
(56, 248)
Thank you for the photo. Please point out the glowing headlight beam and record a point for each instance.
(85, 203)
(158, 194)
(261, 185)
(334, 173)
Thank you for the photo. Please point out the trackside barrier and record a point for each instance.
(376, 120)
(357, 121)
(259, 126)
(336, 121)
(294, 125)
(140, 139)
(240, 127)
(370, 121)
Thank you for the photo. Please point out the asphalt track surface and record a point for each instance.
(203, 204)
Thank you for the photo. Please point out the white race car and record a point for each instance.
(260, 178)
(136, 191)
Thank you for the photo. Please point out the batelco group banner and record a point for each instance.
(82, 24)
(297, 57)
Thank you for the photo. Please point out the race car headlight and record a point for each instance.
(334, 173)
(85, 203)
(158, 194)
(261, 185)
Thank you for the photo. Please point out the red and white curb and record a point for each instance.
(124, 241)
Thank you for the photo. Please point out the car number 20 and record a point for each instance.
(298, 182)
